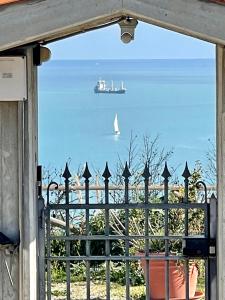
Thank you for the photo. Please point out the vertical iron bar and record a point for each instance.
(48, 255)
(41, 235)
(186, 174)
(207, 236)
(186, 265)
(48, 235)
(126, 174)
(87, 175)
(146, 176)
(166, 175)
(67, 175)
(207, 282)
(212, 275)
(106, 175)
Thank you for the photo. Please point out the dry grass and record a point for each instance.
(98, 291)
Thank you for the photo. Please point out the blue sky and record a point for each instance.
(151, 42)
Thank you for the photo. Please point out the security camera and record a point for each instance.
(127, 27)
(126, 37)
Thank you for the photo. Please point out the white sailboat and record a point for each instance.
(116, 126)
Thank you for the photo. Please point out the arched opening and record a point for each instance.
(175, 81)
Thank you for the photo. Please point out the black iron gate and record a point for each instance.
(161, 232)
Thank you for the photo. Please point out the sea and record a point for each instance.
(173, 101)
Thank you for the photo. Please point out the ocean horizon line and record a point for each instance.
(134, 59)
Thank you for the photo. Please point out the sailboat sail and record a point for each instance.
(116, 125)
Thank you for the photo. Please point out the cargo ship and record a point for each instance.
(101, 87)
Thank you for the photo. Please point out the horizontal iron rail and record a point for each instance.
(180, 205)
(122, 237)
(118, 258)
(157, 187)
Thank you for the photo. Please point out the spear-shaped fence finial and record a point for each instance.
(126, 172)
(66, 174)
(146, 174)
(166, 174)
(86, 173)
(186, 174)
(106, 174)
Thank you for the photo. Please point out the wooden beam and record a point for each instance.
(220, 64)
(200, 19)
(39, 20)
(32, 21)
(36, 21)
(27, 157)
(9, 195)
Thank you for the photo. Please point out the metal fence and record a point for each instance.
(158, 232)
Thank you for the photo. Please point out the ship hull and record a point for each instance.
(110, 92)
(101, 88)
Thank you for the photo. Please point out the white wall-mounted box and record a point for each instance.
(13, 85)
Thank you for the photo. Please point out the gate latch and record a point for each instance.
(199, 247)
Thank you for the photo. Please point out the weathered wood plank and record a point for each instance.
(198, 18)
(44, 20)
(28, 211)
(220, 62)
(18, 202)
(9, 196)
(30, 21)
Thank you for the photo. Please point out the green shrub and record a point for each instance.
(78, 271)
(118, 273)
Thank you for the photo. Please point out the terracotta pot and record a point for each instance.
(177, 281)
